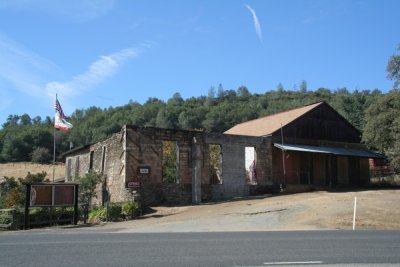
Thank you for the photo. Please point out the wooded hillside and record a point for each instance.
(23, 138)
(374, 114)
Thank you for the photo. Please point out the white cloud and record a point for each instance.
(22, 68)
(97, 72)
(257, 25)
(29, 73)
(77, 11)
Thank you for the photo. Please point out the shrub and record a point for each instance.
(114, 211)
(98, 215)
(87, 186)
(130, 209)
(39, 215)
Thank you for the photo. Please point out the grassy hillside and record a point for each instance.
(20, 169)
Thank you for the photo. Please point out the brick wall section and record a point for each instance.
(144, 149)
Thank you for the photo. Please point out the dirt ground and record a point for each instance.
(376, 209)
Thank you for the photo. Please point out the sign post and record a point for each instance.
(27, 201)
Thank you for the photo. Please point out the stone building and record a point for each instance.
(299, 149)
(175, 166)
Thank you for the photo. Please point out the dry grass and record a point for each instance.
(20, 169)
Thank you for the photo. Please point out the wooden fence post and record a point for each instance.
(76, 213)
(27, 203)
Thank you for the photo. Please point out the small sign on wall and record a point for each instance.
(132, 184)
(144, 170)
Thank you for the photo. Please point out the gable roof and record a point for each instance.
(269, 124)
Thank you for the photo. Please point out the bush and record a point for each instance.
(87, 186)
(114, 211)
(98, 215)
(386, 181)
(39, 215)
(130, 209)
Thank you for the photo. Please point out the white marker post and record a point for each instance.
(354, 215)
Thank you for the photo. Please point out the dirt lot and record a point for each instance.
(376, 209)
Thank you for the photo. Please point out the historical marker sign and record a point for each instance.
(46, 195)
(51, 195)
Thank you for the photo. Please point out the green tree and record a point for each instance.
(176, 99)
(243, 93)
(7, 186)
(12, 120)
(12, 191)
(87, 186)
(393, 69)
(41, 155)
(187, 120)
(15, 149)
(164, 119)
(382, 130)
(279, 87)
(303, 86)
(25, 120)
(221, 91)
(211, 96)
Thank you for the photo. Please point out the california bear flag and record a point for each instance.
(60, 121)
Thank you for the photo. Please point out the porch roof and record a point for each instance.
(338, 151)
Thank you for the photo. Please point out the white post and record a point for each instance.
(283, 159)
(354, 215)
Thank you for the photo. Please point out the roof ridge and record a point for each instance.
(284, 111)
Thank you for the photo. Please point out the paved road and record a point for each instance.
(308, 248)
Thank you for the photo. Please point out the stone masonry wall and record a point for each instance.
(144, 150)
(112, 187)
(135, 149)
(233, 165)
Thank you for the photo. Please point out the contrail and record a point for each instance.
(257, 25)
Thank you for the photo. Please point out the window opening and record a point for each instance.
(91, 160)
(170, 162)
(215, 152)
(68, 174)
(251, 165)
(103, 159)
(76, 167)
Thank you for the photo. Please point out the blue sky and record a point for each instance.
(106, 52)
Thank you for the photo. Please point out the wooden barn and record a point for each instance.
(312, 146)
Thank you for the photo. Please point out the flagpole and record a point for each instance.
(54, 146)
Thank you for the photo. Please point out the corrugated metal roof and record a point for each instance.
(270, 124)
(338, 151)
